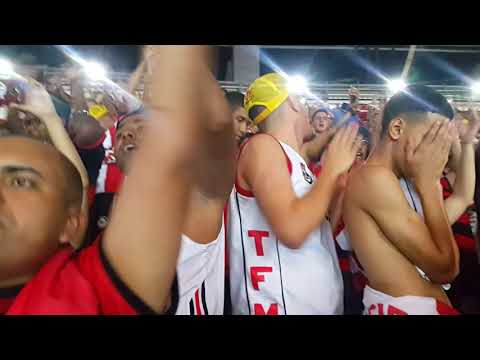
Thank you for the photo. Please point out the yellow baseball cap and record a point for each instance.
(270, 91)
(97, 111)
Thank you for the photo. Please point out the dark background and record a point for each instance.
(346, 66)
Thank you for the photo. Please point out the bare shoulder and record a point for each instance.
(258, 145)
(369, 184)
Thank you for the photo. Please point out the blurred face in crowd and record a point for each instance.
(321, 122)
(128, 138)
(240, 123)
(84, 130)
(34, 218)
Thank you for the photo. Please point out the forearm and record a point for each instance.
(62, 142)
(464, 186)
(77, 98)
(314, 148)
(136, 77)
(436, 220)
(307, 213)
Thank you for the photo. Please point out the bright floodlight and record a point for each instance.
(6, 67)
(95, 71)
(297, 84)
(476, 87)
(396, 85)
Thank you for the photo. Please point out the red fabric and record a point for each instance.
(72, 284)
(113, 179)
(315, 168)
(444, 309)
(91, 194)
(462, 230)
(5, 305)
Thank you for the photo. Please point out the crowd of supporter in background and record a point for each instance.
(98, 128)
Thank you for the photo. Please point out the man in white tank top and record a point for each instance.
(201, 262)
(281, 251)
(401, 230)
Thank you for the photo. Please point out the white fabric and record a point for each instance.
(266, 276)
(201, 269)
(416, 204)
(378, 303)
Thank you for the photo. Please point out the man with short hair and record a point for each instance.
(282, 255)
(131, 269)
(394, 213)
(240, 117)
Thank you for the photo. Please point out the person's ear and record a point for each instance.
(75, 228)
(396, 128)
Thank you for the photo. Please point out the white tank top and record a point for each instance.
(267, 277)
(201, 276)
(416, 204)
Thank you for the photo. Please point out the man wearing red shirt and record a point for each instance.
(131, 270)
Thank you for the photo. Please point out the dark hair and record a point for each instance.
(319, 110)
(235, 99)
(121, 120)
(415, 99)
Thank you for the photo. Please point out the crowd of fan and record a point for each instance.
(98, 130)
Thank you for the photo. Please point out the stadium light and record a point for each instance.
(6, 68)
(476, 87)
(95, 71)
(396, 85)
(297, 84)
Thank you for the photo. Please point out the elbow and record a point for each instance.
(445, 272)
(291, 239)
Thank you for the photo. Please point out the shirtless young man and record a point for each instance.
(394, 212)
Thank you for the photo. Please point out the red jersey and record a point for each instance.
(109, 176)
(78, 283)
(462, 229)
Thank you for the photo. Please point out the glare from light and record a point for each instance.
(6, 68)
(396, 85)
(95, 71)
(297, 84)
(476, 87)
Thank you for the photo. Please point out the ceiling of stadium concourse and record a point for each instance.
(439, 64)
(433, 64)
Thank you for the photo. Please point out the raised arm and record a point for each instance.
(463, 165)
(293, 218)
(143, 239)
(39, 103)
(312, 150)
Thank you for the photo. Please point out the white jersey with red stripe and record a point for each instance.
(267, 277)
(378, 303)
(201, 276)
(109, 176)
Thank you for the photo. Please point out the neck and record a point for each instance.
(287, 134)
(382, 155)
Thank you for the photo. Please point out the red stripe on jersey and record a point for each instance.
(246, 192)
(344, 264)
(444, 309)
(197, 303)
